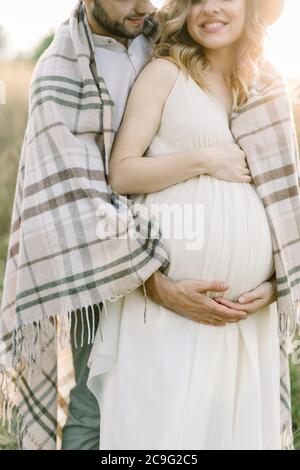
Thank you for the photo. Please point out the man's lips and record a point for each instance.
(137, 21)
(213, 27)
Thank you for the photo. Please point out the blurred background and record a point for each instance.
(26, 30)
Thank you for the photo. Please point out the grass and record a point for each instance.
(13, 117)
(295, 382)
(6, 441)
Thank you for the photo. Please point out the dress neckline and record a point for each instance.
(211, 97)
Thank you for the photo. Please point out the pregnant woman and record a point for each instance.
(169, 382)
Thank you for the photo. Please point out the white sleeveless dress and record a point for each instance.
(171, 383)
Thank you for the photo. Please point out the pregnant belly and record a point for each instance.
(215, 230)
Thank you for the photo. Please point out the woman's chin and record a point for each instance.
(214, 42)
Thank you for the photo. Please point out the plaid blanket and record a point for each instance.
(71, 245)
(264, 128)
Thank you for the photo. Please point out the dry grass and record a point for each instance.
(13, 117)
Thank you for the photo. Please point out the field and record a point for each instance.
(13, 114)
(12, 122)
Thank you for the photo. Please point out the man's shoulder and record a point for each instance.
(60, 56)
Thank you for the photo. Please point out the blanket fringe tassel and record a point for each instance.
(30, 341)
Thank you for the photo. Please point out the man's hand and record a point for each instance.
(251, 302)
(189, 299)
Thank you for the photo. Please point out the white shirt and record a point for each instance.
(119, 67)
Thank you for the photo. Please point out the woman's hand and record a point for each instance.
(252, 301)
(226, 161)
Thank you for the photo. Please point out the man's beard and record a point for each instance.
(113, 27)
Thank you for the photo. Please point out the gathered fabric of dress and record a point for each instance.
(172, 383)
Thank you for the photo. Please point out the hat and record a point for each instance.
(271, 10)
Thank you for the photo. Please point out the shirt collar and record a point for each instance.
(110, 43)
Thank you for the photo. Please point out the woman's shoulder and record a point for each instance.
(161, 74)
(160, 69)
(163, 66)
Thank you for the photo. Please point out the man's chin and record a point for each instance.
(132, 34)
(135, 29)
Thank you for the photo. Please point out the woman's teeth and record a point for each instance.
(213, 27)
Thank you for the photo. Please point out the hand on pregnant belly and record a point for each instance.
(189, 299)
(251, 302)
(226, 161)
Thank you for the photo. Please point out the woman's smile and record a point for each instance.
(213, 26)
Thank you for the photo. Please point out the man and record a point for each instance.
(56, 264)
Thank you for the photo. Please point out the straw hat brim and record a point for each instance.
(271, 10)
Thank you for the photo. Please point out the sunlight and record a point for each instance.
(26, 22)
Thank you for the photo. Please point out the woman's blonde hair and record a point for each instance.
(177, 45)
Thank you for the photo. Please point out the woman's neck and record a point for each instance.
(221, 61)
